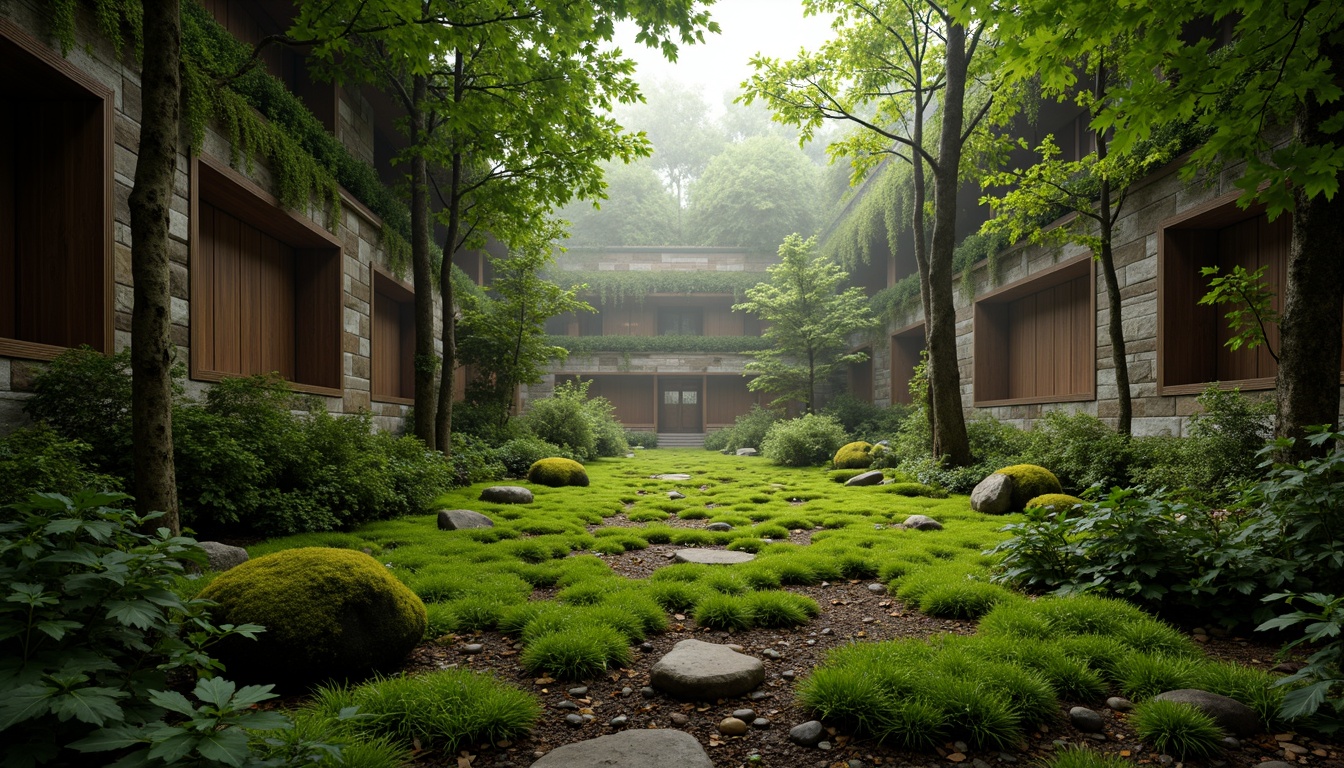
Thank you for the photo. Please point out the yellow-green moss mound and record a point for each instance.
(328, 613)
(857, 455)
(1062, 502)
(557, 472)
(1030, 481)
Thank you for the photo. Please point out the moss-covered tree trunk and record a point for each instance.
(151, 343)
(949, 436)
(422, 274)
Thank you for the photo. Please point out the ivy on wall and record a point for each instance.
(587, 346)
(613, 287)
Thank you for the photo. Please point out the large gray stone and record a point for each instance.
(712, 556)
(222, 557)
(922, 523)
(1231, 715)
(1087, 720)
(507, 494)
(719, 527)
(746, 451)
(994, 495)
(706, 671)
(462, 519)
(639, 748)
(671, 476)
(807, 734)
(873, 477)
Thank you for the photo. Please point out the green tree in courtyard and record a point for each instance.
(503, 331)
(1271, 99)
(887, 68)
(810, 323)
(638, 210)
(754, 194)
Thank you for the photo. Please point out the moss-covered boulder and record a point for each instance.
(328, 613)
(556, 473)
(1061, 502)
(856, 455)
(1030, 481)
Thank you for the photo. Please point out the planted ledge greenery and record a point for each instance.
(711, 345)
(613, 287)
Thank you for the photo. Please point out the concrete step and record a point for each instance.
(681, 439)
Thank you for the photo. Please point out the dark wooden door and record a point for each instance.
(679, 405)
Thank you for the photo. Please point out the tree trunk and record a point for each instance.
(444, 426)
(1313, 302)
(151, 344)
(921, 251)
(949, 437)
(1114, 315)
(426, 359)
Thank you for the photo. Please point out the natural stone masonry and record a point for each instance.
(507, 494)
(661, 748)
(462, 519)
(712, 556)
(706, 671)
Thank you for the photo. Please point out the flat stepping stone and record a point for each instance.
(672, 476)
(462, 519)
(645, 748)
(867, 478)
(712, 556)
(507, 494)
(706, 671)
(922, 523)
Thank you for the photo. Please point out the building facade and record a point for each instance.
(256, 287)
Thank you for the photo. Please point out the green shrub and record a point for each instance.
(608, 433)
(717, 440)
(780, 609)
(1082, 757)
(1029, 481)
(327, 612)
(865, 420)
(579, 652)
(520, 453)
(1144, 675)
(561, 419)
(808, 441)
(725, 612)
(641, 439)
(444, 710)
(1177, 729)
(37, 459)
(86, 396)
(557, 473)
(1080, 449)
(916, 489)
(747, 431)
(962, 599)
(1060, 503)
(856, 455)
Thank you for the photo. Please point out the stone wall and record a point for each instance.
(666, 259)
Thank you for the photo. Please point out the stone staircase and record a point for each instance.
(681, 439)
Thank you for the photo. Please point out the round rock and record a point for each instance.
(744, 714)
(1120, 705)
(675, 495)
(464, 519)
(876, 589)
(222, 557)
(1086, 720)
(507, 494)
(574, 721)
(1231, 715)
(712, 556)
(994, 495)
(663, 748)
(746, 451)
(731, 726)
(922, 523)
(718, 527)
(867, 478)
(761, 722)
(706, 671)
(807, 734)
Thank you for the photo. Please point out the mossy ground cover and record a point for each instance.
(569, 587)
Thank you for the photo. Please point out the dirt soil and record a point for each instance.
(851, 611)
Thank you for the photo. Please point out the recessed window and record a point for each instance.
(1192, 339)
(681, 322)
(1035, 341)
(55, 198)
(392, 347)
(266, 287)
(906, 347)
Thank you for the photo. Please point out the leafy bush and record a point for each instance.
(585, 427)
(1058, 502)
(856, 455)
(86, 396)
(37, 459)
(608, 434)
(520, 453)
(329, 613)
(1080, 449)
(90, 634)
(1322, 674)
(863, 419)
(808, 441)
(641, 439)
(748, 430)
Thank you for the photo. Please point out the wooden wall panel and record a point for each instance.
(9, 149)
(629, 320)
(861, 379)
(317, 317)
(905, 352)
(720, 320)
(1038, 345)
(726, 398)
(393, 341)
(1189, 336)
(632, 397)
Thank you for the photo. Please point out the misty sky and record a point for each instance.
(773, 27)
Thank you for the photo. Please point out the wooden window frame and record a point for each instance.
(241, 197)
(682, 313)
(985, 348)
(388, 287)
(103, 96)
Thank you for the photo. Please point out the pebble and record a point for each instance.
(756, 695)
(1165, 759)
(736, 647)
(566, 704)
(646, 647)
(619, 721)
(731, 726)
(876, 589)
(806, 734)
(580, 691)
(1289, 747)
(574, 721)
(1120, 705)
(1004, 757)
(811, 642)
(647, 692)
(473, 648)
(744, 714)
(956, 757)
(960, 746)
(826, 631)
(1231, 742)
(978, 763)
(1087, 720)
(824, 746)
(788, 674)
(856, 763)
(761, 722)
(626, 691)
(589, 718)
(1096, 736)
(770, 653)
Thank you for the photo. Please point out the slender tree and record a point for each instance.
(810, 322)
(755, 193)
(890, 65)
(151, 197)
